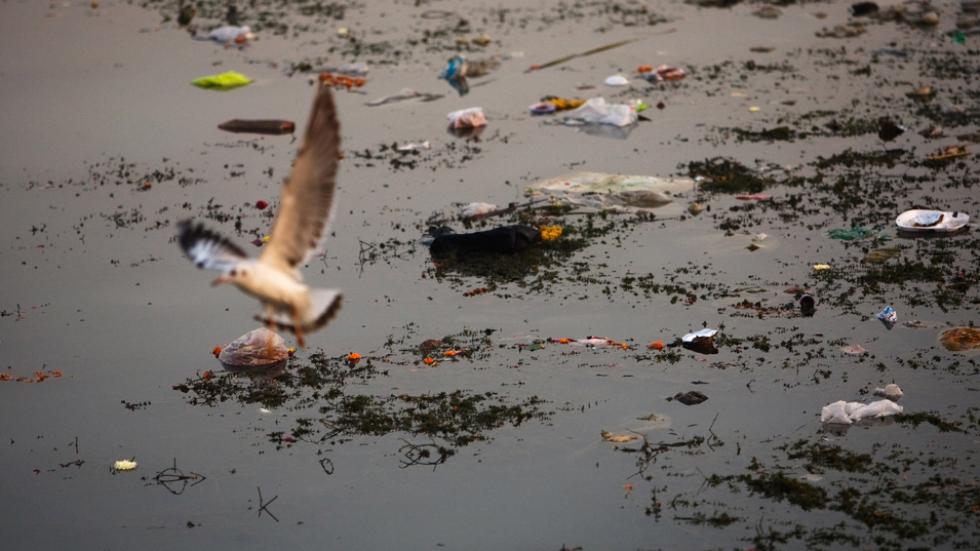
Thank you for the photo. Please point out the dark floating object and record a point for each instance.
(888, 130)
(260, 126)
(808, 305)
(690, 398)
(702, 341)
(506, 239)
(863, 8)
(185, 14)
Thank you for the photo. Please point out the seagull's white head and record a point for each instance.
(237, 274)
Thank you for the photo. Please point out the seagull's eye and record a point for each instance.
(233, 273)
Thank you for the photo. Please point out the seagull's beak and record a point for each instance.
(219, 280)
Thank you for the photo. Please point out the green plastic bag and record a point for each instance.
(223, 81)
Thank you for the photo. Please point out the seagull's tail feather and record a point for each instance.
(324, 305)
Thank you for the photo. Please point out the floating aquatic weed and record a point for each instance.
(727, 176)
(323, 386)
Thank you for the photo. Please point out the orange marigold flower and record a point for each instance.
(428, 360)
(353, 358)
(207, 375)
(564, 340)
(656, 345)
(450, 353)
(550, 233)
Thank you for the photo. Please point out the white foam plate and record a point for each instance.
(951, 221)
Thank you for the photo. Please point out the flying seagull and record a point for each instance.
(300, 227)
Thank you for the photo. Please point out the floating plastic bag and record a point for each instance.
(467, 118)
(891, 391)
(961, 339)
(616, 192)
(231, 33)
(597, 111)
(222, 81)
(846, 413)
(617, 80)
(876, 410)
(259, 348)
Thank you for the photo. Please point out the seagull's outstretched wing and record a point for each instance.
(208, 249)
(307, 197)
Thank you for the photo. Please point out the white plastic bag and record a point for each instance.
(597, 111)
(845, 413)
(228, 33)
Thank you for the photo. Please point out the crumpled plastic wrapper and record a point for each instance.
(467, 118)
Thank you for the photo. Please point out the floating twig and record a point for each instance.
(264, 505)
(176, 481)
(561, 60)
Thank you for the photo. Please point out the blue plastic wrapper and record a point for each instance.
(454, 69)
(888, 315)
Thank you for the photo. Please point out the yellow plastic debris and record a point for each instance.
(755, 109)
(564, 104)
(820, 267)
(125, 465)
(222, 81)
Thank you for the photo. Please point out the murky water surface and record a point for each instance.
(107, 331)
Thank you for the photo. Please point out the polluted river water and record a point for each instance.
(529, 400)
